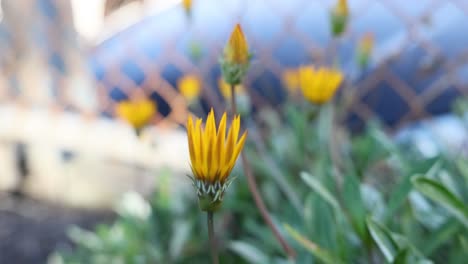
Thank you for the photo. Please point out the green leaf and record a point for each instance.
(400, 193)
(265, 164)
(321, 190)
(248, 252)
(317, 251)
(441, 236)
(464, 243)
(354, 203)
(402, 257)
(462, 166)
(383, 238)
(443, 196)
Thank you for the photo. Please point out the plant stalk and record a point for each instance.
(256, 194)
(214, 251)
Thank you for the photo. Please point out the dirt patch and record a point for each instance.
(30, 230)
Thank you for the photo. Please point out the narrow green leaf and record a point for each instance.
(434, 170)
(400, 193)
(464, 243)
(321, 190)
(383, 239)
(441, 236)
(402, 257)
(354, 203)
(268, 167)
(440, 194)
(462, 165)
(398, 196)
(318, 252)
(248, 252)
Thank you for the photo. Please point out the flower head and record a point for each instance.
(138, 113)
(213, 155)
(236, 57)
(319, 85)
(189, 87)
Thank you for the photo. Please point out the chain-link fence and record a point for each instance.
(417, 67)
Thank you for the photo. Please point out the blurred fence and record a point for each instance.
(418, 65)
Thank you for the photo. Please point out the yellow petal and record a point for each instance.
(190, 140)
(237, 50)
(238, 148)
(220, 154)
(199, 148)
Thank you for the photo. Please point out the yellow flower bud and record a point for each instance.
(190, 87)
(342, 8)
(237, 49)
(319, 85)
(339, 17)
(366, 44)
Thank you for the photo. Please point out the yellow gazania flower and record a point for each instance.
(237, 49)
(212, 153)
(225, 89)
(189, 87)
(138, 113)
(319, 85)
(290, 78)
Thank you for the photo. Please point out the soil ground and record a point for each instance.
(30, 230)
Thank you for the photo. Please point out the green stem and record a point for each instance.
(256, 194)
(214, 251)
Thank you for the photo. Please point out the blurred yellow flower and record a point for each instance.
(319, 85)
(137, 113)
(290, 78)
(187, 5)
(213, 154)
(190, 87)
(237, 49)
(225, 89)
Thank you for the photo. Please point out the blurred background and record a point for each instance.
(67, 156)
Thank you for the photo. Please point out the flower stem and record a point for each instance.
(256, 194)
(214, 251)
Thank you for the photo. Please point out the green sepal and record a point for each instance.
(338, 23)
(233, 73)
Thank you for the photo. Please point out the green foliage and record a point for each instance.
(336, 198)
